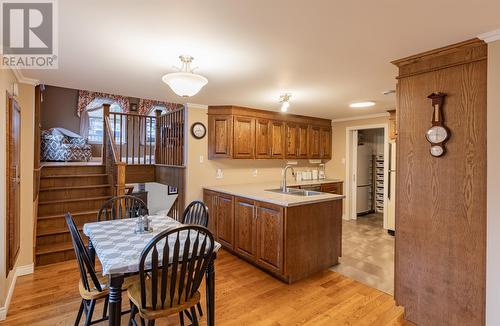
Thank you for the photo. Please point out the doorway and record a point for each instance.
(13, 182)
(367, 247)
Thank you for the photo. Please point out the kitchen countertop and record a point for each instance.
(258, 192)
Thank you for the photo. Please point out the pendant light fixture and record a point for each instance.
(285, 101)
(185, 83)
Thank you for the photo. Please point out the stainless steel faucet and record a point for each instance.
(283, 180)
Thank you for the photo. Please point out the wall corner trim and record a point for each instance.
(491, 36)
(196, 106)
(20, 271)
(23, 80)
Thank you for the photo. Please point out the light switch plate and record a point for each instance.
(201, 158)
(255, 172)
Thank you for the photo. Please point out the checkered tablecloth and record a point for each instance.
(119, 248)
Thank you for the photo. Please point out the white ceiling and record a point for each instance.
(326, 53)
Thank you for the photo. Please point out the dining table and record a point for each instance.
(119, 248)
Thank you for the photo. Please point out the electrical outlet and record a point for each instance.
(219, 174)
(343, 161)
(255, 172)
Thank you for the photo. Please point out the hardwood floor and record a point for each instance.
(245, 295)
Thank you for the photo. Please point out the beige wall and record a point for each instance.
(493, 187)
(235, 171)
(26, 102)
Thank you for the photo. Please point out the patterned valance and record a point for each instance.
(145, 105)
(86, 97)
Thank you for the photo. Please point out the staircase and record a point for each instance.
(78, 189)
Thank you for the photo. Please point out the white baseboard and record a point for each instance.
(20, 271)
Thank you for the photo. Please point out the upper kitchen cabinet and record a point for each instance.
(244, 137)
(244, 133)
(220, 136)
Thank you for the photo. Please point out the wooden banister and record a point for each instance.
(105, 113)
(114, 167)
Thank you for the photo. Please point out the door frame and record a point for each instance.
(350, 173)
(11, 105)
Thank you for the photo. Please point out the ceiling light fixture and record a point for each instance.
(185, 83)
(363, 104)
(285, 101)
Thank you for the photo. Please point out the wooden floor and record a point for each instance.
(244, 296)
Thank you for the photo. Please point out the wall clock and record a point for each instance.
(438, 134)
(198, 130)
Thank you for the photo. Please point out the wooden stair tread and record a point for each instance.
(74, 187)
(73, 175)
(54, 231)
(55, 247)
(61, 215)
(48, 202)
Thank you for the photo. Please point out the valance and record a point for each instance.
(145, 105)
(86, 97)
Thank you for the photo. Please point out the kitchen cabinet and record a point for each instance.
(314, 141)
(302, 145)
(244, 137)
(270, 237)
(277, 139)
(332, 188)
(243, 133)
(263, 139)
(325, 143)
(290, 242)
(291, 140)
(224, 216)
(220, 136)
(210, 199)
(245, 227)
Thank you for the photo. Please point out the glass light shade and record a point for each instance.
(284, 106)
(185, 84)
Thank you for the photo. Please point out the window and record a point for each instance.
(151, 127)
(96, 125)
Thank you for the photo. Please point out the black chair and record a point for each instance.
(91, 287)
(122, 207)
(196, 213)
(170, 288)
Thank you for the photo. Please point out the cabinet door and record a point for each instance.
(244, 137)
(225, 220)
(325, 140)
(302, 141)
(314, 142)
(332, 188)
(278, 139)
(291, 140)
(210, 199)
(245, 227)
(220, 135)
(262, 138)
(270, 237)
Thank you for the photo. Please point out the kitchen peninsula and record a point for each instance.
(290, 235)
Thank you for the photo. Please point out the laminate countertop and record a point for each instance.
(258, 192)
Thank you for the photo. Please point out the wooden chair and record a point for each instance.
(90, 286)
(196, 213)
(122, 207)
(165, 289)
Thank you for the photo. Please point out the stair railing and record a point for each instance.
(170, 137)
(115, 169)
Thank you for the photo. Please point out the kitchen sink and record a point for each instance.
(295, 192)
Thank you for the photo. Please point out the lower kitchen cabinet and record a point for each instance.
(245, 228)
(220, 216)
(270, 237)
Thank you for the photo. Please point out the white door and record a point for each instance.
(353, 176)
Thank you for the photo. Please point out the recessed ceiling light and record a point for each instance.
(363, 104)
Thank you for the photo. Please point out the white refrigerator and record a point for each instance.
(364, 180)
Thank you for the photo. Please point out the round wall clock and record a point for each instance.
(198, 130)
